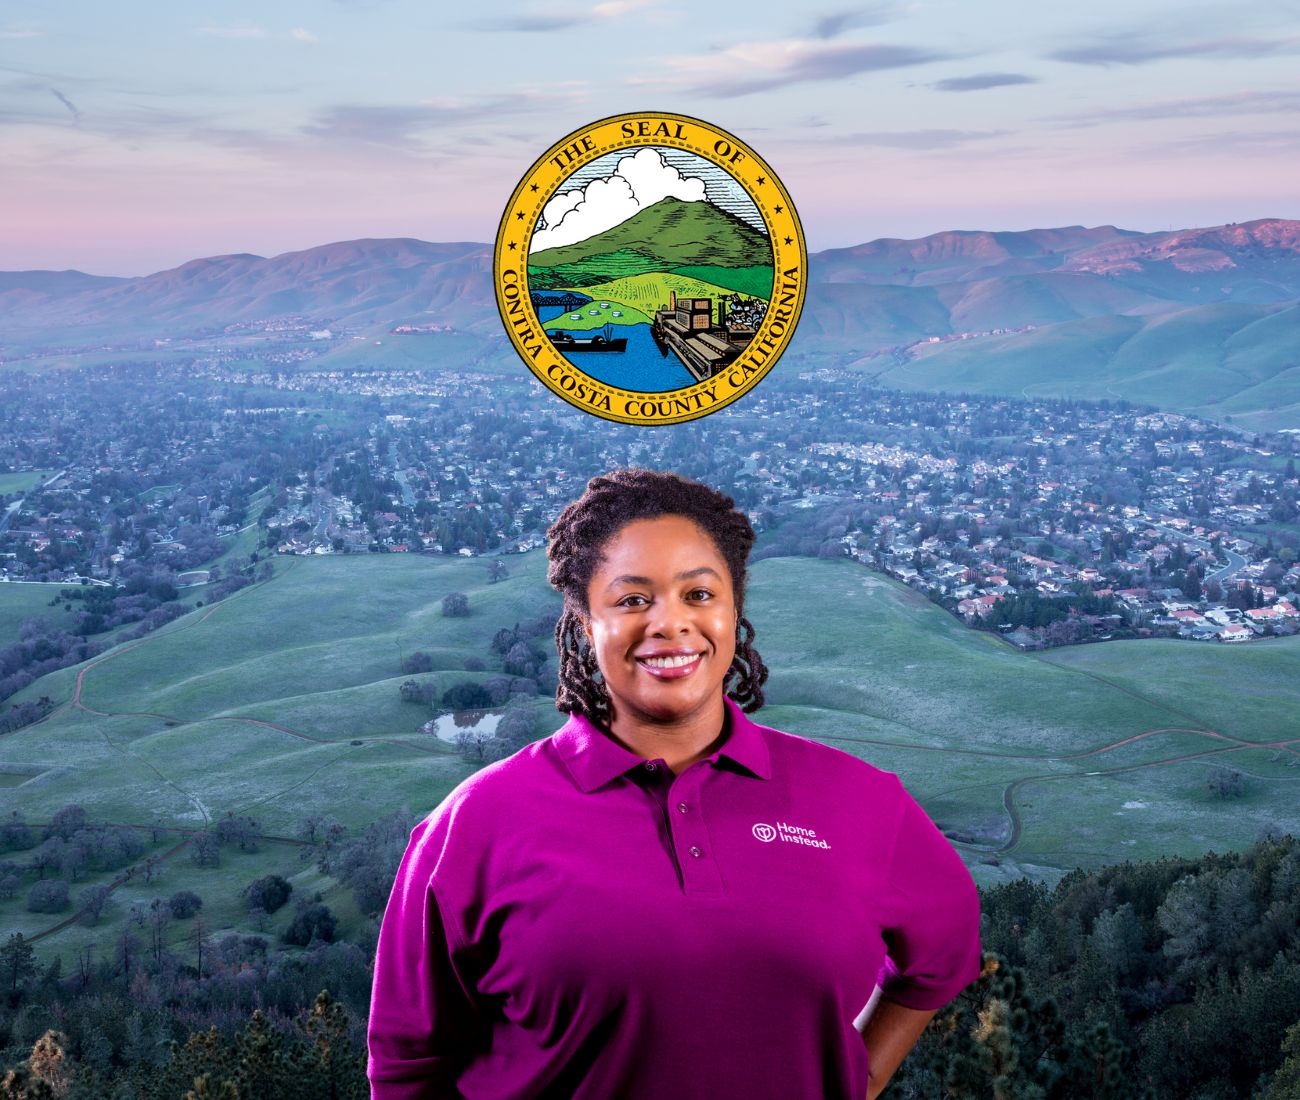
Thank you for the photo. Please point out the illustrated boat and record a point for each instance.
(600, 341)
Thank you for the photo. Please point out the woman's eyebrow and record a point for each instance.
(629, 578)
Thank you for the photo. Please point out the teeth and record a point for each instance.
(669, 662)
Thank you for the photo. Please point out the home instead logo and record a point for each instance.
(790, 834)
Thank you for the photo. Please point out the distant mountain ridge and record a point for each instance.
(364, 281)
(1204, 320)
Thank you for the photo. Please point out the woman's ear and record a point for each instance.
(586, 629)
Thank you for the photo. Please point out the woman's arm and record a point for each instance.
(891, 1032)
(423, 1025)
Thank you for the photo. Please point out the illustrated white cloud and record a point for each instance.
(640, 180)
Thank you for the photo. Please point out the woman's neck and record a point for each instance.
(678, 744)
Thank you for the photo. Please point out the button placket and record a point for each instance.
(700, 874)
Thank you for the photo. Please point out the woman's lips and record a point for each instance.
(670, 666)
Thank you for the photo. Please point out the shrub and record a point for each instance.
(268, 893)
(314, 922)
(48, 896)
(184, 904)
(418, 661)
(466, 696)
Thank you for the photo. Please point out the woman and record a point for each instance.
(664, 898)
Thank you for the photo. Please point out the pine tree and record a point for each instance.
(328, 1063)
(263, 1068)
(50, 1066)
(205, 1090)
(17, 963)
(1286, 1081)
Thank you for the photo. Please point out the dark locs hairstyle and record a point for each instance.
(577, 543)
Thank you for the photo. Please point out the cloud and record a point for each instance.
(923, 140)
(556, 19)
(981, 81)
(12, 32)
(1231, 143)
(834, 24)
(750, 67)
(72, 107)
(232, 32)
(404, 126)
(611, 8)
(1241, 103)
(297, 34)
(527, 24)
(1140, 49)
(639, 181)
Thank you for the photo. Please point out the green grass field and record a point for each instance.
(647, 293)
(19, 602)
(1229, 361)
(1073, 757)
(22, 483)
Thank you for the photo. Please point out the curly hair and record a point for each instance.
(577, 540)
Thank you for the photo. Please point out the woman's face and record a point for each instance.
(662, 622)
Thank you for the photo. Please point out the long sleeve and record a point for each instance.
(423, 1026)
(933, 930)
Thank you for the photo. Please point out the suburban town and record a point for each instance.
(1049, 522)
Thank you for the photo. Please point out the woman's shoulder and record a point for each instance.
(800, 755)
(493, 794)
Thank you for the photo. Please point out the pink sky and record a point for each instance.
(134, 144)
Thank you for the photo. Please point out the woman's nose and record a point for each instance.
(669, 618)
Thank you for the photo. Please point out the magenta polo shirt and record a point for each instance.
(576, 921)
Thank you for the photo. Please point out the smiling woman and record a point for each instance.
(665, 898)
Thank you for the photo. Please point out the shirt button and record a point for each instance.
(695, 851)
(650, 765)
(683, 807)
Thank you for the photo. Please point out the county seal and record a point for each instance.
(650, 268)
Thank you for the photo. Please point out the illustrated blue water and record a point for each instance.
(642, 367)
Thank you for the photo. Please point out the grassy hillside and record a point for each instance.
(1215, 360)
(283, 701)
(597, 269)
(647, 293)
(19, 602)
(756, 281)
(672, 233)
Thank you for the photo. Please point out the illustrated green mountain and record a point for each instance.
(669, 234)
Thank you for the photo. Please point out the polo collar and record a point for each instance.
(594, 758)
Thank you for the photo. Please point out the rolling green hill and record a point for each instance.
(754, 281)
(1213, 361)
(283, 701)
(672, 233)
(646, 293)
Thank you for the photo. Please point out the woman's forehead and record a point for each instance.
(659, 534)
(646, 545)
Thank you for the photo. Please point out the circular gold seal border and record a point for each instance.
(545, 178)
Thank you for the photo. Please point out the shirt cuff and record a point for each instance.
(921, 995)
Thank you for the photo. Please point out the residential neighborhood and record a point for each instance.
(1050, 522)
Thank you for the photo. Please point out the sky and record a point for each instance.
(140, 135)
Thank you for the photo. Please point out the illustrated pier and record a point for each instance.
(686, 329)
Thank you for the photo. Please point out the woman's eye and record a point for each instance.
(700, 594)
(631, 601)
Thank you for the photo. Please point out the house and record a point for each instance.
(978, 605)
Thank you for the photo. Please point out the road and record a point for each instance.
(408, 496)
(1236, 563)
(12, 510)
